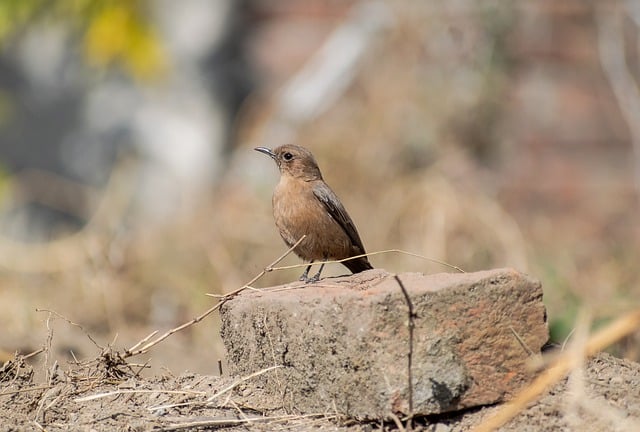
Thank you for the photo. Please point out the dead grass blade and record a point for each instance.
(121, 392)
(239, 381)
(386, 251)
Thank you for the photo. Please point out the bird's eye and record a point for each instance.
(287, 156)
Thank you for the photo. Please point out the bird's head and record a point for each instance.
(295, 161)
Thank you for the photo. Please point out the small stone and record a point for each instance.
(441, 427)
(616, 380)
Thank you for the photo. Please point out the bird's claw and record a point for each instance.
(309, 280)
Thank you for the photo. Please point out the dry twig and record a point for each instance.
(120, 392)
(137, 350)
(411, 324)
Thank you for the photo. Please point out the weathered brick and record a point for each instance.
(343, 343)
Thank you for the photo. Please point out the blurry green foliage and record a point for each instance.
(561, 326)
(111, 32)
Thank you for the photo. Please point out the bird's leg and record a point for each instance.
(305, 276)
(316, 277)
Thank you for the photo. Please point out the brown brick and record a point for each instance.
(344, 342)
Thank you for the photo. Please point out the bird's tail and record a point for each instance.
(358, 265)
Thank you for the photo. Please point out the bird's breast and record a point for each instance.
(298, 212)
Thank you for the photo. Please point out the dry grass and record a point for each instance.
(565, 363)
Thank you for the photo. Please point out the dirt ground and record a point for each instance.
(105, 395)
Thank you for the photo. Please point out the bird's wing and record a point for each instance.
(337, 211)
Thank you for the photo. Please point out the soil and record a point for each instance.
(107, 394)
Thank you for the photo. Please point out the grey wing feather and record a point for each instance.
(337, 211)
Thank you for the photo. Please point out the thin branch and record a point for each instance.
(144, 341)
(32, 354)
(62, 317)
(410, 353)
(137, 350)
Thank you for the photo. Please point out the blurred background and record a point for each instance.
(484, 134)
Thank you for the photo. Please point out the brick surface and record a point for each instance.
(343, 343)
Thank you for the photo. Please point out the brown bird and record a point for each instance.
(303, 204)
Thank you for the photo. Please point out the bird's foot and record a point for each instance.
(305, 276)
(309, 280)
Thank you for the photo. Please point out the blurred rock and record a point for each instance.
(343, 342)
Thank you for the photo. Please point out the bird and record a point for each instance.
(303, 204)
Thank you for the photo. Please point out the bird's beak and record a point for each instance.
(266, 151)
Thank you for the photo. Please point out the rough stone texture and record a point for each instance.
(343, 343)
